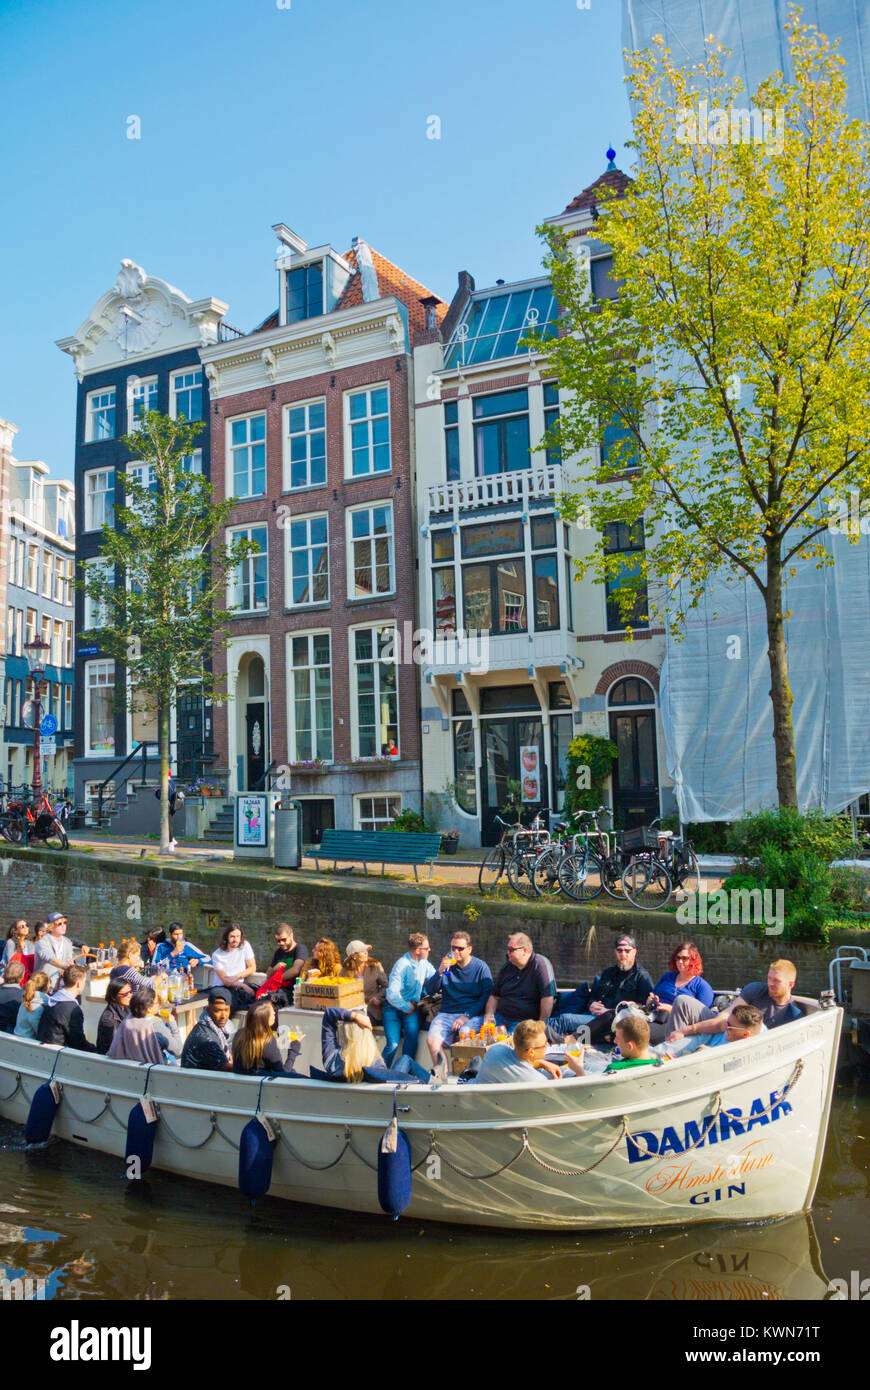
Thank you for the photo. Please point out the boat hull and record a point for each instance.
(713, 1141)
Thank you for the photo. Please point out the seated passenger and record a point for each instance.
(689, 1018)
(401, 1013)
(129, 965)
(631, 1032)
(525, 987)
(33, 1000)
(151, 943)
(118, 996)
(143, 1037)
(255, 1047)
(285, 967)
(683, 976)
(526, 1060)
(10, 996)
(177, 954)
(347, 1059)
(207, 1046)
(62, 1021)
(465, 983)
(624, 982)
(359, 964)
(19, 947)
(326, 961)
(233, 964)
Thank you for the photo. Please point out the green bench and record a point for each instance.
(376, 847)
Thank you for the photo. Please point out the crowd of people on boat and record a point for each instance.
(532, 1030)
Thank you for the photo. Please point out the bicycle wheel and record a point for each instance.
(611, 873)
(546, 872)
(646, 884)
(581, 877)
(491, 870)
(13, 831)
(521, 875)
(56, 837)
(688, 880)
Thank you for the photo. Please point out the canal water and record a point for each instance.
(69, 1218)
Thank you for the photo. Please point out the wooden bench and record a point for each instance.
(376, 847)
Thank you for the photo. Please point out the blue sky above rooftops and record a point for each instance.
(315, 115)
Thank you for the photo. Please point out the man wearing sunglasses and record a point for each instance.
(465, 984)
(624, 982)
(524, 988)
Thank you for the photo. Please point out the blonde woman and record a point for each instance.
(349, 1059)
(34, 998)
(129, 966)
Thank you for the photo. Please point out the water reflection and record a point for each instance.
(95, 1236)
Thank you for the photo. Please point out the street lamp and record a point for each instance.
(36, 652)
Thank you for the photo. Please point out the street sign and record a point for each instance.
(87, 651)
(48, 726)
(48, 747)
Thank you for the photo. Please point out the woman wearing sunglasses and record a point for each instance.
(683, 977)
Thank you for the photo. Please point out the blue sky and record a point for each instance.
(314, 115)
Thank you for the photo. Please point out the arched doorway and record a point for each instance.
(632, 718)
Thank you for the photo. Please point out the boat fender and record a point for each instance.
(43, 1109)
(141, 1125)
(256, 1152)
(394, 1169)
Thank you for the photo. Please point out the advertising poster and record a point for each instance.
(253, 820)
(530, 772)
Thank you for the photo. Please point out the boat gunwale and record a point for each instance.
(702, 1093)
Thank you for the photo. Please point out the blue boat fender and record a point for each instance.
(256, 1154)
(141, 1124)
(394, 1169)
(43, 1108)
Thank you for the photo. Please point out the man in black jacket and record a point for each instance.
(623, 982)
(10, 996)
(62, 1019)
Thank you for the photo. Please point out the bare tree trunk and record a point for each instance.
(163, 735)
(780, 688)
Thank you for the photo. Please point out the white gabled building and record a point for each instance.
(495, 558)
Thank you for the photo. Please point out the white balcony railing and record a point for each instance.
(495, 490)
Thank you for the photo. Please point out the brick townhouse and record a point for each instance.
(312, 436)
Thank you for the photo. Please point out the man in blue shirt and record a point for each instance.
(465, 984)
(176, 953)
(407, 978)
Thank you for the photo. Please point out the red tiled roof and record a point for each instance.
(393, 281)
(612, 184)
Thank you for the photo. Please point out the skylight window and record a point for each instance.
(493, 325)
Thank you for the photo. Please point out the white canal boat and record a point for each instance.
(733, 1133)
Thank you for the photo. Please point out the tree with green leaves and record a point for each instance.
(729, 376)
(160, 621)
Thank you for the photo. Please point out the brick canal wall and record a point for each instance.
(106, 899)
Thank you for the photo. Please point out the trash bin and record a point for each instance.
(288, 835)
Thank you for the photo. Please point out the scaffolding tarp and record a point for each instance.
(715, 691)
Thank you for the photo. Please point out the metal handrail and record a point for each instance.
(139, 750)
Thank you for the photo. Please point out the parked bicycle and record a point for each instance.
(23, 822)
(625, 865)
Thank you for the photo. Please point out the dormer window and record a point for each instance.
(305, 292)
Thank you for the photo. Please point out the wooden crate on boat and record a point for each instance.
(461, 1053)
(342, 994)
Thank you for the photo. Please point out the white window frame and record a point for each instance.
(97, 401)
(105, 667)
(68, 643)
(67, 706)
(92, 616)
(377, 821)
(371, 541)
(309, 636)
(19, 632)
(47, 576)
(233, 534)
(30, 628)
(249, 444)
(91, 493)
(289, 552)
(174, 390)
(354, 690)
(286, 437)
(193, 462)
(137, 387)
(45, 634)
(367, 418)
(33, 567)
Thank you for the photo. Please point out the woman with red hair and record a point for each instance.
(684, 977)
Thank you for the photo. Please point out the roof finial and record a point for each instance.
(611, 156)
